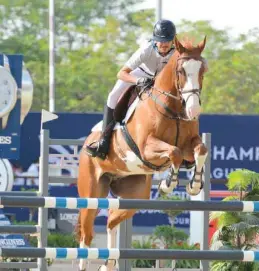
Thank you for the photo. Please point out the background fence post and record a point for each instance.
(206, 138)
(124, 239)
(43, 191)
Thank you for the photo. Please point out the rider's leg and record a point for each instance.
(101, 149)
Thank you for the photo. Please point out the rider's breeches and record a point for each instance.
(121, 86)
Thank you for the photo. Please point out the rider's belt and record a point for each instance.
(146, 72)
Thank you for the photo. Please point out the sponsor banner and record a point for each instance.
(10, 106)
(10, 240)
(235, 145)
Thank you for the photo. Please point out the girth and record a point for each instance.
(133, 146)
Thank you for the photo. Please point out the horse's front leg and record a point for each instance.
(157, 152)
(200, 153)
(170, 183)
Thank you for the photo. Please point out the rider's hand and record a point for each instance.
(144, 82)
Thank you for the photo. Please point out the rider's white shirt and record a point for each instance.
(148, 59)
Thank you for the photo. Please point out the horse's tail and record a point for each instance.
(77, 230)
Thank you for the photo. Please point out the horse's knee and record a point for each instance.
(176, 155)
(201, 149)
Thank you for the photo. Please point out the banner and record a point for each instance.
(235, 144)
(10, 105)
(10, 240)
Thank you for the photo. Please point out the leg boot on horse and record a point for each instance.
(101, 148)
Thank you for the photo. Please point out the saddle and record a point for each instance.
(125, 101)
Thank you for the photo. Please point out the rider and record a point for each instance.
(139, 70)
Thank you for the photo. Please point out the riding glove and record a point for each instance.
(145, 82)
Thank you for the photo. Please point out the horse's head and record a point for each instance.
(190, 68)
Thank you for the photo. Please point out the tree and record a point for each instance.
(93, 39)
(231, 85)
(169, 235)
(237, 231)
(144, 244)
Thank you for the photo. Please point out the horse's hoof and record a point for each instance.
(194, 189)
(104, 268)
(164, 189)
(160, 191)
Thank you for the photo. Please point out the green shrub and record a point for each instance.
(146, 244)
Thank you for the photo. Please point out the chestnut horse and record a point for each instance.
(160, 134)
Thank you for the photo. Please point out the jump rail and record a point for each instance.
(95, 253)
(103, 203)
(25, 229)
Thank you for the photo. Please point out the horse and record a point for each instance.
(161, 133)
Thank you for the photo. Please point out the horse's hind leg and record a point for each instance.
(86, 222)
(90, 185)
(131, 187)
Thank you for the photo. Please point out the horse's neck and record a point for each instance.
(166, 81)
(151, 119)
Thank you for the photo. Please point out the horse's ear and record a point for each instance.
(202, 44)
(179, 47)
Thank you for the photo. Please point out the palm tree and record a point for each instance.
(237, 231)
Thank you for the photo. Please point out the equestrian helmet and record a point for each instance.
(164, 30)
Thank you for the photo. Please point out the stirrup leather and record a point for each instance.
(96, 151)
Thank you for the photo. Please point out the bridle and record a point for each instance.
(180, 92)
(178, 86)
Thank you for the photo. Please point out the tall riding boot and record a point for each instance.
(101, 148)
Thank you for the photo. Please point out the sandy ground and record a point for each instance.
(72, 266)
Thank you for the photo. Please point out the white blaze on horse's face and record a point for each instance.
(192, 70)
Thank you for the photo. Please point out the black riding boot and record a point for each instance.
(101, 148)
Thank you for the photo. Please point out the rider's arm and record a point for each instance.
(124, 75)
(134, 62)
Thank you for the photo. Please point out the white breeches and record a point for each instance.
(121, 87)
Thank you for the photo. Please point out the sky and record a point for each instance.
(238, 15)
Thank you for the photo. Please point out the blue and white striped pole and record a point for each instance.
(114, 204)
(94, 253)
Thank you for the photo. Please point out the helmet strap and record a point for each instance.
(155, 47)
